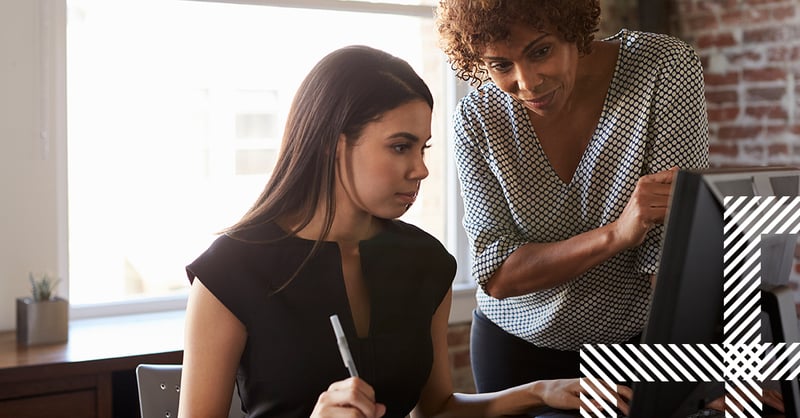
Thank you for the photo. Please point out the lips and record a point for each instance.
(407, 198)
(541, 101)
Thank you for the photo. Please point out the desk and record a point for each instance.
(92, 375)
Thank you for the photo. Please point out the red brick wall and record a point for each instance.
(751, 57)
(458, 339)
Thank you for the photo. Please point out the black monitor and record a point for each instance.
(687, 305)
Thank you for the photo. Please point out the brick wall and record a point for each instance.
(751, 57)
(458, 340)
(617, 14)
(750, 51)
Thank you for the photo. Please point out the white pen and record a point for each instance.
(344, 349)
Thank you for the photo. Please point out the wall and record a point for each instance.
(28, 182)
(458, 340)
(618, 14)
(751, 57)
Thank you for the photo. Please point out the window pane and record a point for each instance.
(257, 125)
(175, 112)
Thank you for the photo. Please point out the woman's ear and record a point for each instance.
(340, 145)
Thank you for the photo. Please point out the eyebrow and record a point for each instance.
(405, 135)
(525, 50)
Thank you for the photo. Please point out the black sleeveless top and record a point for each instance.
(291, 355)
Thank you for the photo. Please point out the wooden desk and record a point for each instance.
(93, 374)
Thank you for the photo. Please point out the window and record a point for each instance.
(175, 113)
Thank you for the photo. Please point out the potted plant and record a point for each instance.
(42, 318)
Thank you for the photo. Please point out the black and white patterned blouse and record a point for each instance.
(654, 118)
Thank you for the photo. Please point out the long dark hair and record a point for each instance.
(347, 89)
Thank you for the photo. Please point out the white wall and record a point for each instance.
(32, 177)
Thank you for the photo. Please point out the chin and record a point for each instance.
(390, 214)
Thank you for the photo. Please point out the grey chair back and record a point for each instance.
(159, 391)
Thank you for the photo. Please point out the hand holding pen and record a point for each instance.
(352, 393)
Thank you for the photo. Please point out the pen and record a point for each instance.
(344, 349)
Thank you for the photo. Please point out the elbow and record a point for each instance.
(505, 282)
(502, 286)
(495, 288)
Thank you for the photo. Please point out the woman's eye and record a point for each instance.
(500, 67)
(401, 147)
(540, 52)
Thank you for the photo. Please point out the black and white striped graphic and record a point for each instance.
(743, 361)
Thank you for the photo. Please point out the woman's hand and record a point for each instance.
(565, 394)
(769, 397)
(647, 207)
(348, 398)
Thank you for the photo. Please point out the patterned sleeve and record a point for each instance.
(677, 131)
(487, 218)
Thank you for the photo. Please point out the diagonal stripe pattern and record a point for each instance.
(742, 361)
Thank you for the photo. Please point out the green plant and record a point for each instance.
(43, 288)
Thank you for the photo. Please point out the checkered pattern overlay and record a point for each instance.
(653, 119)
(742, 362)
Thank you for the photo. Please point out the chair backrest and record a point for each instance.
(159, 390)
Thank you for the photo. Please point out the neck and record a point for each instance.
(346, 227)
(352, 229)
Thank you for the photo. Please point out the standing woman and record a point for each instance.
(566, 152)
(322, 240)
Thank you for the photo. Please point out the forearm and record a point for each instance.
(513, 401)
(538, 266)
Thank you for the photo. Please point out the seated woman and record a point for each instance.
(322, 240)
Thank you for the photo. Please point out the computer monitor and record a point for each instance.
(687, 304)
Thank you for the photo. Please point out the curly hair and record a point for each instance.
(466, 26)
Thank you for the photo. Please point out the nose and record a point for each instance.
(527, 79)
(419, 170)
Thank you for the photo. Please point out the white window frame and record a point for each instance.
(53, 34)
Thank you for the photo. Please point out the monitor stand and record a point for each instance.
(778, 304)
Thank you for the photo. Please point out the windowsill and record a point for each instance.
(152, 332)
(460, 311)
(127, 308)
(463, 304)
(100, 339)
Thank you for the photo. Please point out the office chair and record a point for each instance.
(159, 390)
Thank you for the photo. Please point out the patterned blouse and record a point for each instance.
(654, 118)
